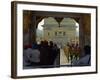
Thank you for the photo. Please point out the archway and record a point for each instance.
(32, 20)
(61, 34)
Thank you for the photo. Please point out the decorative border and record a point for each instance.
(14, 37)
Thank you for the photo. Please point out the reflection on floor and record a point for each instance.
(63, 58)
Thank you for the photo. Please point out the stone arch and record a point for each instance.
(32, 19)
(50, 20)
(68, 21)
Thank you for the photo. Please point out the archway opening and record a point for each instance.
(66, 33)
(64, 36)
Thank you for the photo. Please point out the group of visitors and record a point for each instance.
(72, 51)
(86, 59)
(45, 54)
(73, 54)
(42, 55)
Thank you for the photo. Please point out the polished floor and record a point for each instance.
(63, 58)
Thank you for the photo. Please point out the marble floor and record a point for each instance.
(63, 58)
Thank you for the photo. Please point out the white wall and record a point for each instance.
(5, 40)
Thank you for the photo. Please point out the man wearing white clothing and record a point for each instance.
(31, 57)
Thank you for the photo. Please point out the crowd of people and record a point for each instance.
(45, 53)
(42, 55)
(73, 54)
(72, 51)
(86, 59)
